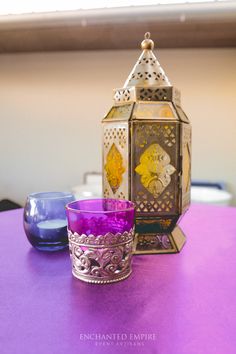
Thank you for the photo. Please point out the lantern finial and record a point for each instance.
(147, 70)
(147, 43)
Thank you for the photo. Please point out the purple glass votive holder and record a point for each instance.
(101, 234)
(45, 222)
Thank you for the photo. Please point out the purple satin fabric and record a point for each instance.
(185, 302)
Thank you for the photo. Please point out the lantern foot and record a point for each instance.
(151, 243)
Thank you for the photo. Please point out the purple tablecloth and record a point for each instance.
(180, 303)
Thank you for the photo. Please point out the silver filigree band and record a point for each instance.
(103, 258)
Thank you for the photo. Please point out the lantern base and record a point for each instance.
(151, 243)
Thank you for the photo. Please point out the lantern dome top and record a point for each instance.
(147, 70)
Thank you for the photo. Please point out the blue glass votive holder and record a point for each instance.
(45, 220)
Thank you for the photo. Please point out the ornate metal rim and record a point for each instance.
(104, 281)
(146, 94)
(108, 240)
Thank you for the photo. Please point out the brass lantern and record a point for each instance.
(147, 154)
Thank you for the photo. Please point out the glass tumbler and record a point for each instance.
(101, 233)
(45, 220)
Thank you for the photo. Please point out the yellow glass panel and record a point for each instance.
(186, 169)
(114, 168)
(154, 110)
(122, 112)
(155, 169)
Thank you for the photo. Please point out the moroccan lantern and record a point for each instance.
(147, 154)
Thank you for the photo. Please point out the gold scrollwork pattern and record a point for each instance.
(106, 240)
(101, 259)
(155, 169)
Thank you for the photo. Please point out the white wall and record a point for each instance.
(51, 106)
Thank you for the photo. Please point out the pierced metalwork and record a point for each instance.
(143, 131)
(149, 94)
(121, 195)
(101, 259)
(147, 72)
(165, 204)
(118, 134)
(147, 75)
(155, 150)
(122, 95)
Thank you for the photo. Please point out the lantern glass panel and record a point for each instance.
(182, 115)
(186, 164)
(122, 112)
(155, 165)
(146, 110)
(116, 159)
